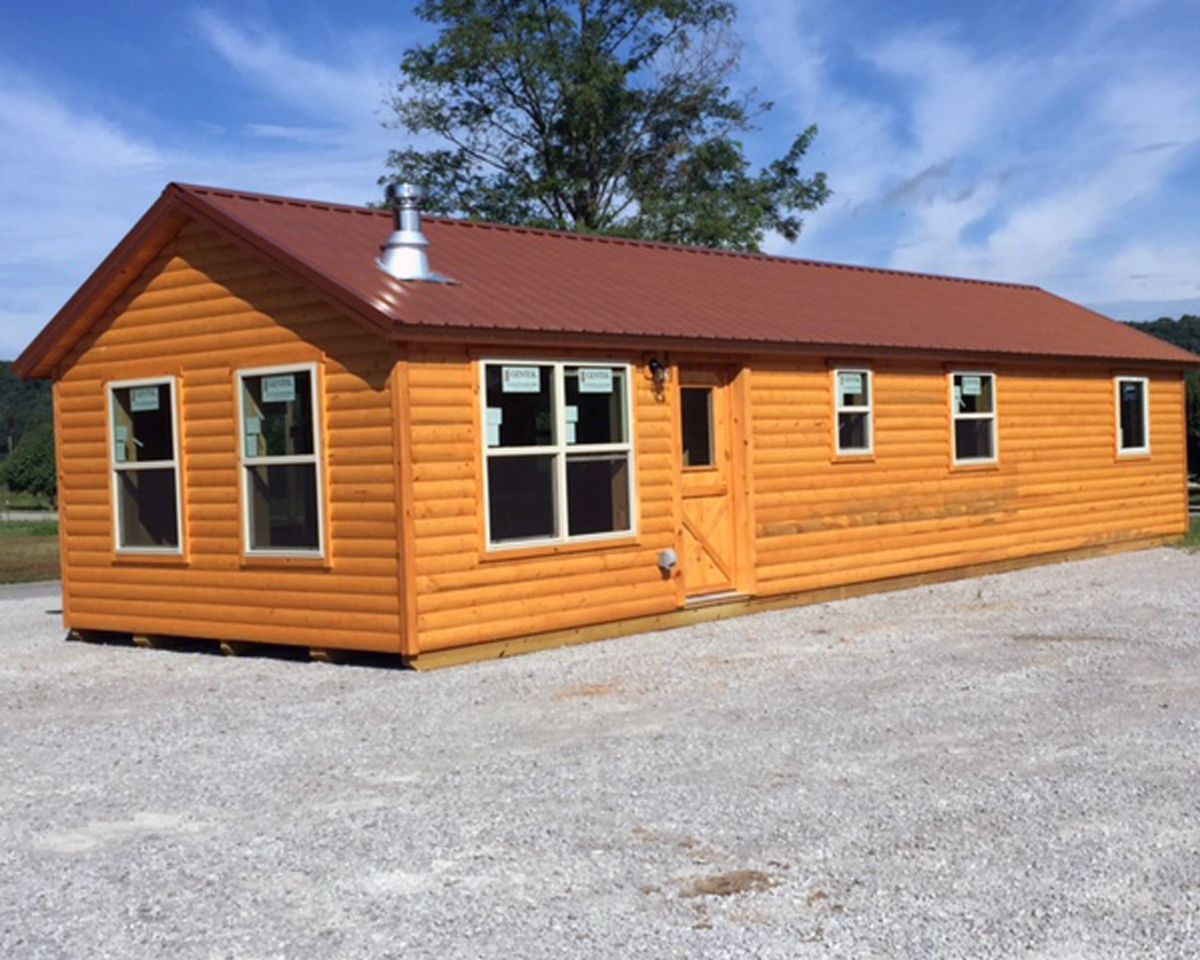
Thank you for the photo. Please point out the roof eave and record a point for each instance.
(375, 320)
(174, 207)
(517, 337)
(128, 258)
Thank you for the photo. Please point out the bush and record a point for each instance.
(30, 467)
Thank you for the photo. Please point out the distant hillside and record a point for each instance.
(1184, 332)
(22, 405)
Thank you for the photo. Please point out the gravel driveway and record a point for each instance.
(1001, 767)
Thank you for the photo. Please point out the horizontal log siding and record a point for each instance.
(1058, 484)
(201, 310)
(464, 598)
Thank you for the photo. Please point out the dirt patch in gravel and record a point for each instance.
(728, 884)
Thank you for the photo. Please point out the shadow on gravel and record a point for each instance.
(260, 651)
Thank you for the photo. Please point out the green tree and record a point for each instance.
(30, 467)
(1184, 332)
(22, 405)
(608, 116)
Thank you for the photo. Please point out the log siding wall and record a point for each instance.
(1058, 484)
(465, 595)
(202, 310)
(404, 476)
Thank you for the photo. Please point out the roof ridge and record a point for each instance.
(597, 238)
(717, 252)
(358, 209)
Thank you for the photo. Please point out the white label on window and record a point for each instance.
(253, 426)
(495, 416)
(521, 379)
(143, 398)
(122, 434)
(851, 382)
(570, 433)
(493, 434)
(972, 386)
(595, 380)
(280, 389)
(572, 413)
(251, 445)
(119, 451)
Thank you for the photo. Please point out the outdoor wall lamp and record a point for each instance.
(659, 371)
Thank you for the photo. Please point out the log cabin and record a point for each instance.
(289, 422)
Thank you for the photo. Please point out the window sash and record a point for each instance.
(1144, 384)
(560, 451)
(989, 416)
(839, 408)
(135, 465)
(247, 464)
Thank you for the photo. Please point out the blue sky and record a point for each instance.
(1053, 143)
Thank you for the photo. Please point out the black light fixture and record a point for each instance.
(658, 370)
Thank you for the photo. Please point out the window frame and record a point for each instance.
(560, 451)
(839, 409)
(956, 415)
(710, 410)
(316, 458)
(175, 464)
(1144, 449)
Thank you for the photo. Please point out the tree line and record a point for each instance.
(26, 435)
(1184, 332)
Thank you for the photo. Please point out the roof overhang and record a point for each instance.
(137, 249)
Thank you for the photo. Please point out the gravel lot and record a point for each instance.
(1000, 767)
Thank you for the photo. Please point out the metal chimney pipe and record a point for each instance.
(404, 255)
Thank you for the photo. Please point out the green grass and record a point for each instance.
(1191, 540)
(28, 551)
(23, 501)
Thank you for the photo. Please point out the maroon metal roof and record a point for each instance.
(523, 280)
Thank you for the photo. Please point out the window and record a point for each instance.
(696, 415)
(974, 409)
(1133, 415)
(145, 462)
(557, 452)
(852, 400)
(280, 451)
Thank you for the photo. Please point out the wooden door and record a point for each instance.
(709, 534)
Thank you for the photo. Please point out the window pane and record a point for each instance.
(973, 439)
(283, 507)
(595, 404)
(1133, 419)
(277, 408)
(597, 494)
(521, 498)
(143, 426)
(852, 431)
(853, 388)
(146, 508)
(520, 405)
(973, 393)
(696, 414)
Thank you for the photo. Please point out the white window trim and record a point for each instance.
(956, 415)
(174, 464)
(559, 451)
(315, 458)
(1144, 449)
(839, 409)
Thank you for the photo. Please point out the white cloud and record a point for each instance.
(72, 182)
(348, 93)
(1013, 163)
